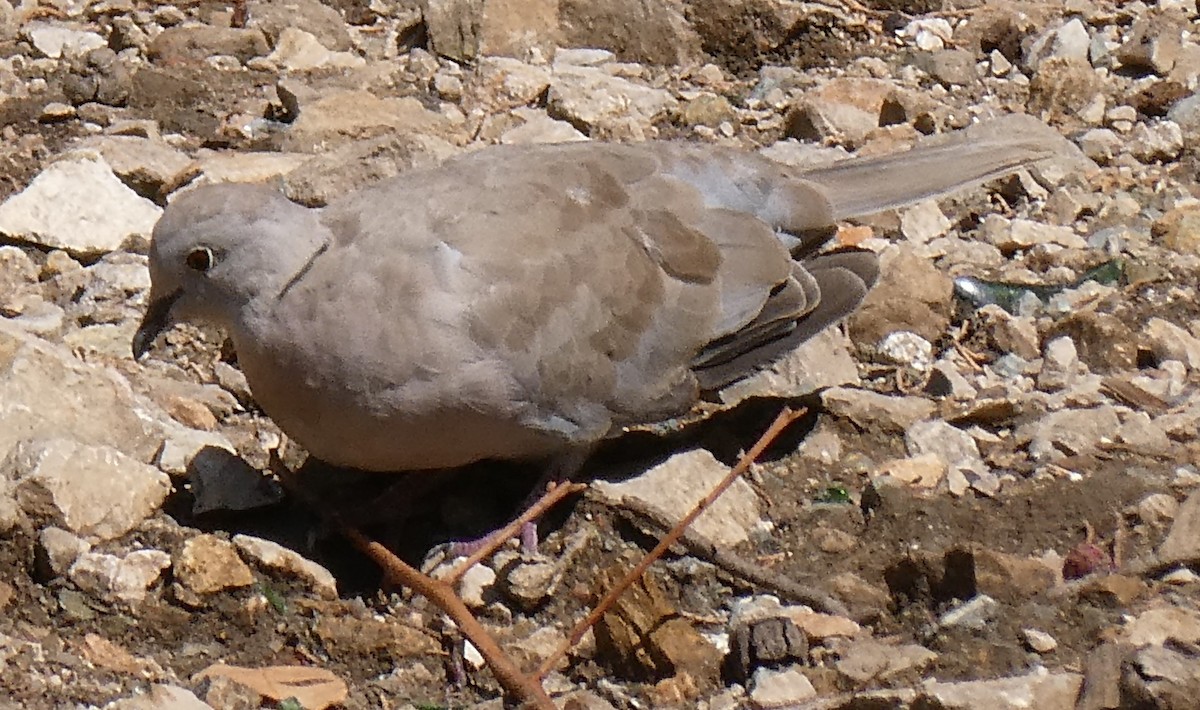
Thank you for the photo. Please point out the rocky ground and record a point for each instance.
(993, 501)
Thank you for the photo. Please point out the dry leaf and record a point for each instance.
(314, 688)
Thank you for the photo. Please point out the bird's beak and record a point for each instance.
(156, 320)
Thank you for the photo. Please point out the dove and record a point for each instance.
(526, 302)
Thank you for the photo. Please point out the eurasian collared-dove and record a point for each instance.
(525, 302)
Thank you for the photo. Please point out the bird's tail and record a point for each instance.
(938, 165)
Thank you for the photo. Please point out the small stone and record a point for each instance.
(1157, 508)
(62, 548)
(1154, 43)
(278, 558)
(780, 689)
(707, 110)
(871, 409)
(1160, 141)
(1170, 342)
(161, 697)
(909, 349)
(206, 565)
(923, 222)
(953, 445)
(1039, 641)
(1183, 541)
(1155, 627)
(125, 579)
(974, 614)
(871, 661)
(56, 112)
(474, 585)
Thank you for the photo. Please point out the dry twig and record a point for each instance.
(786, 417)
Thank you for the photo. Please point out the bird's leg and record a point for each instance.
(558, 470)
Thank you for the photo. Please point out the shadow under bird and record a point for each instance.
(525, 302)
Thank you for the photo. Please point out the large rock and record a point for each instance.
(310, 16)
(344, 116)
(90, 490)
(465, 29)
(78, 206)
(46, 392)
(655, 32)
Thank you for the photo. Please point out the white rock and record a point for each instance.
(279, 558)
(676, 485)
(1156, 142)
(594, 98)
(902, 347)
(583, 57)
(821, 362)
(160, 697)
(91, 490)
(55, 42)
(1039, 641)
(923, 222)
(79, 206)
(538, 127)
(301, 51)
(474, 583)
(62, 548)
(1170, 342)
(181, 446)
(1041, 690)
(779, 689)
(115, 578)
(955, 446)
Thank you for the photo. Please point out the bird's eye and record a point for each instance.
(200, 259)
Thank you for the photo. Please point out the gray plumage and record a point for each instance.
(525, 302)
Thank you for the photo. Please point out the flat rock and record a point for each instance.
(868, 660)
(161, 697)
(89, 490)
(349, 115)
(278, 558)
(124, 579)
(823, 361)
(870, 409)
(144, 164)
(1069, 432)
(207, 564)
(250, 166)
(676, 485)
(1041, 689)
(780, 688)
(78, 206)
(1155, 627)
(55, 41)
(196, 43)
(1183, 541)
(597, 102)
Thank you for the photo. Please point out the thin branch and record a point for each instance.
(702, 548)
(516, 684)
(786, 417)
